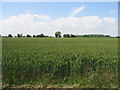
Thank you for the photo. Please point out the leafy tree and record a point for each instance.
(93, 35)
(117, 36)
(50, 36)
(19, 35)
(73, 35)
(37, 36)
(41, 35)
(58, 34)
(66, 35)
(34, 36)
(28, 35)
(10, 35)
(107, 35)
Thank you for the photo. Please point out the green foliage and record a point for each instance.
(10, 35)
(89, 62)
(19, 35)
(58, 34)
(69, 35)
(93, 35)
(28, 35)
(66, 35)
(117, 36)
(40, 35)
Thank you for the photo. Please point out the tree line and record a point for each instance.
(58, 34)
(28, 35)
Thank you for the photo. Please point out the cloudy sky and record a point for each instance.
(67, 17)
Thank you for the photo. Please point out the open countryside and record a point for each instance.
(59, 45)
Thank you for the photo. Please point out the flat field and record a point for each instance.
(60, 62)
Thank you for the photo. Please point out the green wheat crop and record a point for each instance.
(89, 62)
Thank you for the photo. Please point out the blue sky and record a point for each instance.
(67, 17)
(60, 9)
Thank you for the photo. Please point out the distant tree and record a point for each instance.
(40, 35)
(34, 36)
(93, 35)
(79, 35)
(73, 35)
(117, 36)
(10, 35)
(66, 35)
(37, 35)
(107, 35)
(58, 34)
(19, 35)
(50, 36)
(28, 35)
(85, 35)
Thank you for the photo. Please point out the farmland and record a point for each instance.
(86, 62)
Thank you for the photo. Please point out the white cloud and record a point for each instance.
(36, 24)
(77, 10)
(87, 25)
(43, 17)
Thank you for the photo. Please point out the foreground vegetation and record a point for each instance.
(85, 62)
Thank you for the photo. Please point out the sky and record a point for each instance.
(67, 17)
